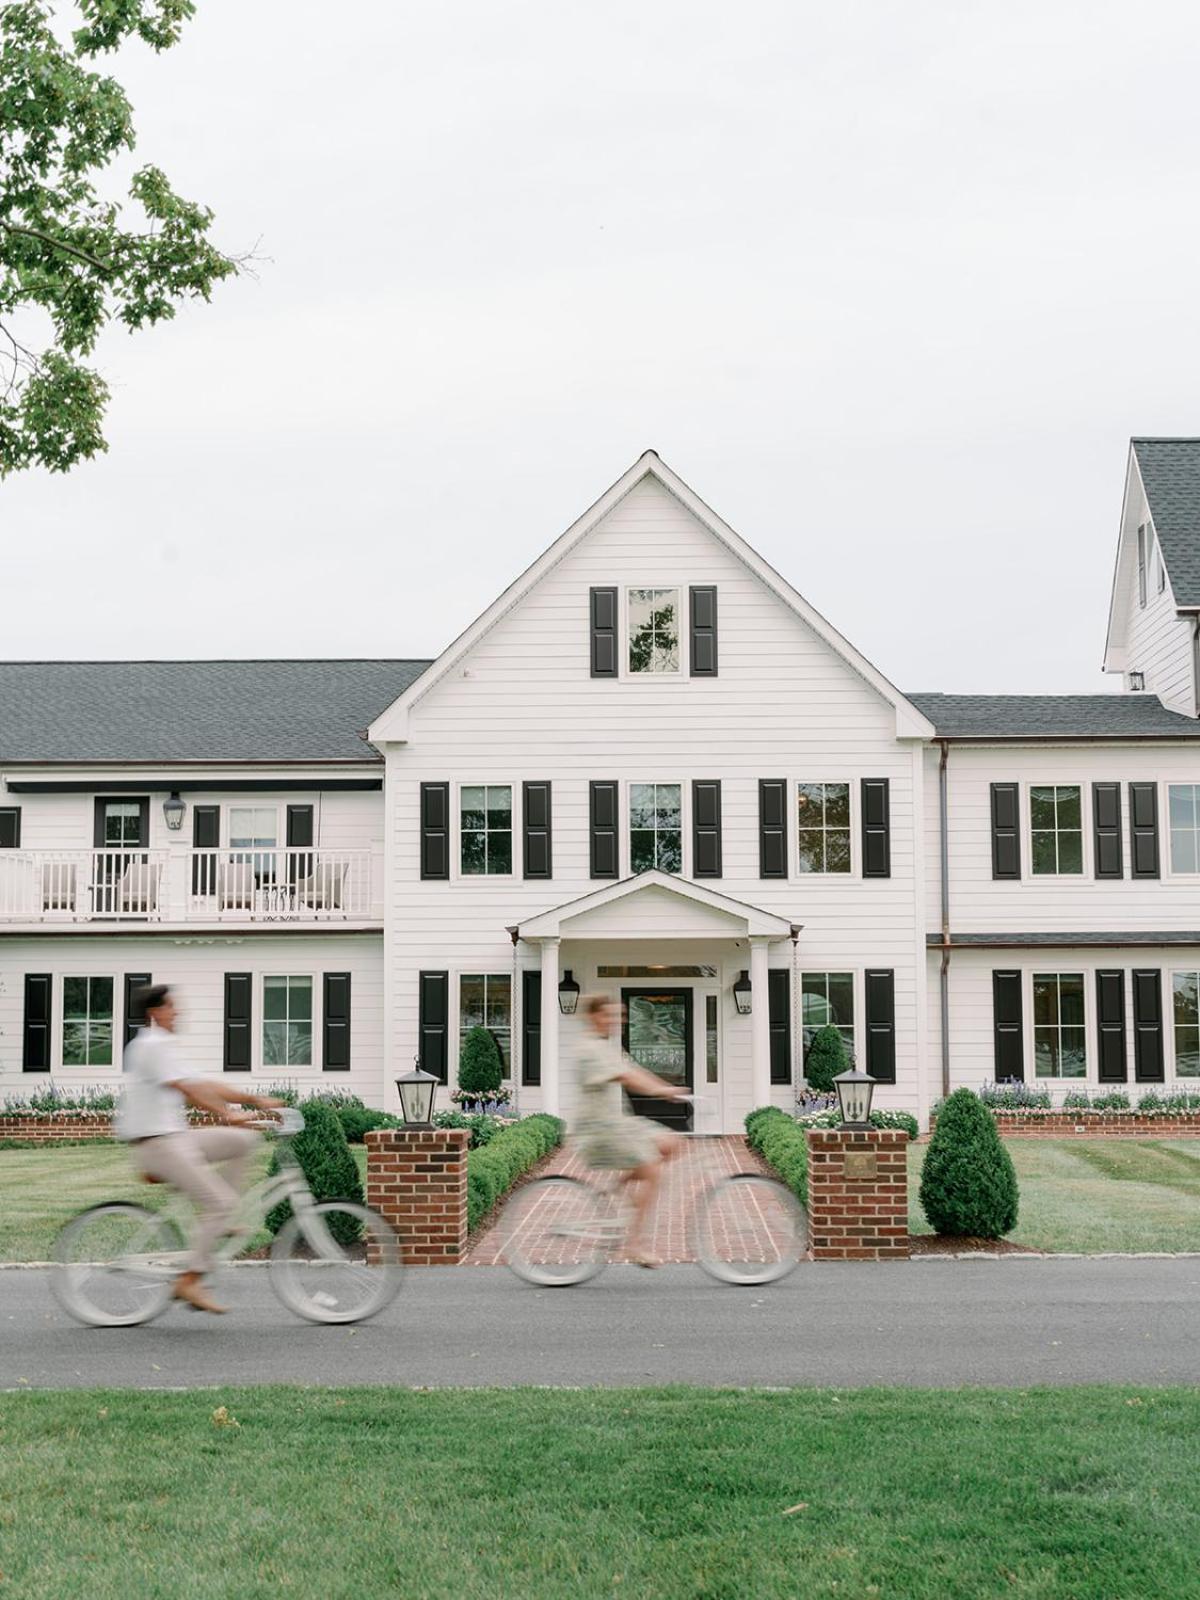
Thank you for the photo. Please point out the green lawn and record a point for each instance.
(40, 1189)
(1097, 1194)
(1077, 1494)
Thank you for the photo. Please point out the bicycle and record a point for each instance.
(331, 1262)
(747, 1229)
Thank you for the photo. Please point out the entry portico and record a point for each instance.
(691, 942)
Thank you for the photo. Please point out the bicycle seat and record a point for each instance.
(148, 1177)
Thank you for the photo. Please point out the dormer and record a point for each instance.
(1154, 612)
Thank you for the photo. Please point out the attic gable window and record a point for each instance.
(653, 630)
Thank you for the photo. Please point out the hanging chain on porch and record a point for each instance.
(797, 1039)
(516, 1032)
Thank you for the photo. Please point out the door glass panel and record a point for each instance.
(658, 1033)
(710, 1038)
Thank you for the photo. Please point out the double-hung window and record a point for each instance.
(1059, 1031)
(287, 1022)
(485, 1001)
(653, 622)
(1056, 828)
(1183, 808)
(87, 1022)
(823, 839)
(655, 827)
(1186, 1010)
(254, 835)
(486, 829)
(827, 1000)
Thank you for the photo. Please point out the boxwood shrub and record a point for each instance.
(495, 1167)
(328, 1165)
(968, 1185)
(782, 1144)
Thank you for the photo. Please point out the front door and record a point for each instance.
(658, 1036)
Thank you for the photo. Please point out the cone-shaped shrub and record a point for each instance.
(826, 1058)
(480, 1064)
(968, 1186)
(328, 1166)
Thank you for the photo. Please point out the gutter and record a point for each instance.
(944, 848)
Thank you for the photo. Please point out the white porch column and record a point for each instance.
(550, 1026)
(760, 1024)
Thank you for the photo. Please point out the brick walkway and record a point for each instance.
(703, 1160)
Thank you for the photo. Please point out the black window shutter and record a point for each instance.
(1006, 831)
(433, 1023)
(1008, 1030)
(1110, 1026)
(239, 989)
(605, 832)
(703, 610)
(531, 1029)
(35, 1053)
(1143, 830)
(772, 828)
(1106, 822)
(98, 824)
(10, 827)
(604, 633)
(876, 828)
(299, 827)
(536, 852)
(435, 830)
(706, 827)
(135, 1016)
(335, 1022)
(779, 1011)
(881, 1025)
(1147, 1027)
(206, 835)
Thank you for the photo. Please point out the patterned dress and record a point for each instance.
(608, 1134)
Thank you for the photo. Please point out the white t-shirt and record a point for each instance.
(149, 1105)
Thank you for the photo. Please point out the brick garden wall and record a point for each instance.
(418, 1182)
(1094, 1124)
(857, 1215)
(44, 1127)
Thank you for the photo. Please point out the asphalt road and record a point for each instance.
(941, 1323)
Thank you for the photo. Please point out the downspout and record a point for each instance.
(944, 844)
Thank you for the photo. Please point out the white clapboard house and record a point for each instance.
(651, 769)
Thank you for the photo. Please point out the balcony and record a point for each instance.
(187, 887)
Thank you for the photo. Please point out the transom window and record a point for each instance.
(827, 1000)
(1186, 1001)
(653, 630)
(485, 1001)
(87, 1017)
(485, 812)
(655, 827)
(1056, 825)
(1059, 1034)
(823, 812)
(287, 1022)
(1184, 810)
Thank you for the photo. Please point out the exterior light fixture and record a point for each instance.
(416, 1090)
(743, 994)
(1137, 681)
(854, 1092)
(173, 809)
(568, 994)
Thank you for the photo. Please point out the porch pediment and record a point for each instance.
(655, 905)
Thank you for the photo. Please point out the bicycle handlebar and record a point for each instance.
(288, 1122)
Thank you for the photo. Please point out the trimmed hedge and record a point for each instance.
(968, 1185)
(782, 1144)
(495, 1167)
(328, 1166)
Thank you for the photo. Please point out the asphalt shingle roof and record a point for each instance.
(1054, 716)
(1170, 470)
(195, 710)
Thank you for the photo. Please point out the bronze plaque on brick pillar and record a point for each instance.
(861, 1164)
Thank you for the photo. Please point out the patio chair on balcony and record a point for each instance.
(323, 889)
(137, 892)
(59, 886)
(236, 884)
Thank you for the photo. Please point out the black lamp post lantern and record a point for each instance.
(568, 994)
(743, 994)
(173, 809)
(854, 1092)
(416, 1090)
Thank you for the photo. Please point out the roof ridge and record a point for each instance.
(215, 661)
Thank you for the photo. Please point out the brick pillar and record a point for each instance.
(858, 1194)
(418, 1182)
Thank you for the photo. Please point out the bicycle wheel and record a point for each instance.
(114, 1265)
(559, 1231)
(338, 1262)
(750, 1229)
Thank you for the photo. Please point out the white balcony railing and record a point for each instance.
(307, 885)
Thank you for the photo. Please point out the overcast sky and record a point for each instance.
(889, 285)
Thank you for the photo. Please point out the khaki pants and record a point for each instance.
(188, 1162)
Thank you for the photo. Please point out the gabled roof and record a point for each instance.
(1170, 472)
(547, 924)
(177, 711)
(1053, 716)
(393, 724)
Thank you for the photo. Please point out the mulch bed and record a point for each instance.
(935, 1244)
